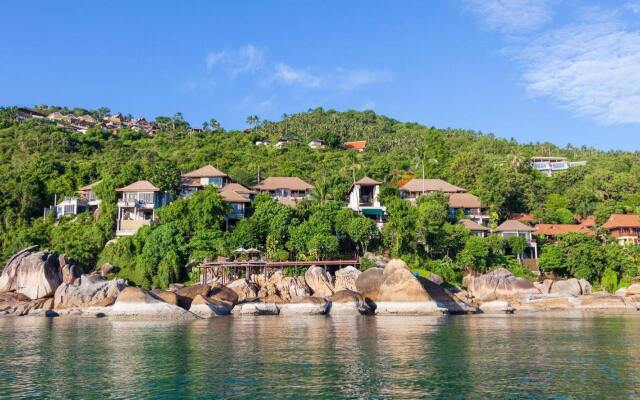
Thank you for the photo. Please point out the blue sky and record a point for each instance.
(543, 70)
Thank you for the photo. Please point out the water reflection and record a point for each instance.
(538, 355)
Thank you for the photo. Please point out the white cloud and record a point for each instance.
(633, 6)
(511, 16)
(289, 75)
(247, 58)
(591, 68)
(352, 79)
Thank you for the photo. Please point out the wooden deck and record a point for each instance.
(225, 268)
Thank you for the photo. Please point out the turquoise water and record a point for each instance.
(540, 356)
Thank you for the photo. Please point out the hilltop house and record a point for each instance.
(475, 228)
(625, 228)
(201, 178)
(512, 227)
(552, 231)
(363, 198)
(358, 146)
(137, 203)
(86, 200)
(549, 165)
(288, 190)
(285, 140)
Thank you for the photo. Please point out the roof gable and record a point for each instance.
(511, 225)
(284, 182)
(431, 185)
(206, 171)
(622, 221)
(139, 186)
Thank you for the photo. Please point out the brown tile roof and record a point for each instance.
(140, 186)
(236, 187)
(511, 225)
(622, 221)
(90, 186)
(589, 221)
(366, 181)
(283, 182)
(522, 217)
(431, 185)
(464, 200)
(560, 229)
(231, 196)
(357, 145)
(473, 225)
(206, 171)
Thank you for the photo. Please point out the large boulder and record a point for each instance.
(166, 296)
(70, 271)
(224, 294)
(402, 293)
(319, 281)
(368, 283)
(107, 269)
(292, 286)
(256, 308)
(137, 303)
(499, 284)
(89, 291)
(209, 307)
(496, 307)
(306, 305)
(350, 303)
(569, 287)
(188, 293)
(34, 274)
(244, 288)
(633, 290)
(545, 286)
(346, 278)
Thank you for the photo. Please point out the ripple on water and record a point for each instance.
(534, 356)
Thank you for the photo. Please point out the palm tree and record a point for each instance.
(320, 192)
(214, 125)
(253, 120)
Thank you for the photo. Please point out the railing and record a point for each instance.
(132, 225)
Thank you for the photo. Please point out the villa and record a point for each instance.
(549, 165)
(552, 231)
(512, 227)
(201, 178)
(625, 228)
(358, 146)
(316, 144)
(363, 198)
(419, 187)
(288, 190)
(475, 228)
(137, 203)
(86, 200)
(470, 206)
(238, 197)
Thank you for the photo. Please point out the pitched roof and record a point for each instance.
(589, 221)
(560, 229)
(140, 186)
(431, 185)
(511, 225)
(464, 200)
(206, 171)
(522, 217)
(473, 225)
(236, 187)
(357, 145)
(231, 196)
(622, 221)
(283, 182)
(90, 186)
(366, 181)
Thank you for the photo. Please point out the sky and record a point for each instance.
(543, 70)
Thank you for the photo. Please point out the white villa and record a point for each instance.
(137, 203)
(363, 198)
(86, 200)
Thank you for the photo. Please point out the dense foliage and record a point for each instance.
(40, 161)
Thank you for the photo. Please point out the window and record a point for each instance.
(146, 198)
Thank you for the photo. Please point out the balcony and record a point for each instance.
(129, 227)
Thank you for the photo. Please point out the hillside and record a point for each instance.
(40, 161)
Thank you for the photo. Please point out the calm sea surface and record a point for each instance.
(539, 356)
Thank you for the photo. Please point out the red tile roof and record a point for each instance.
(560, 229)
(622, 221)
(522, 217)
(358, 145)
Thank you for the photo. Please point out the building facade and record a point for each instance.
(137, 203)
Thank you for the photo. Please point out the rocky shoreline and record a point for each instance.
(42, 283)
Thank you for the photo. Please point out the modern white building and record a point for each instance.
(549, 165)
(364, 198)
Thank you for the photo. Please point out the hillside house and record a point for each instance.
(358, 146)
(85, 200)
(550, 165)
(470, 206)
(137, 203)
(201, 178)
(316, 144)
(285, 140)
(288, 190)
(475, 228)
(552, 231)
(238, 197)
(363, 198)
(24, 113)
(625, 228)
(418, 187)
(512, 227)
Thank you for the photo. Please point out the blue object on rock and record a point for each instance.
(416, 274)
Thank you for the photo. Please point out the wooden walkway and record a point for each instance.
(224, 269)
